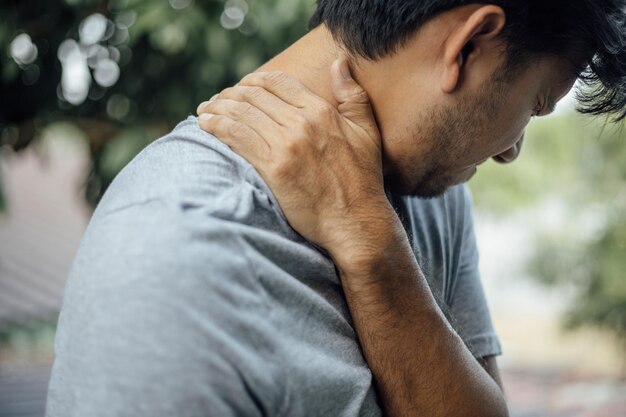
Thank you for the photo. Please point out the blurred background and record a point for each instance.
(86, 84)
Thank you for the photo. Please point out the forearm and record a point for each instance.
(421, 366)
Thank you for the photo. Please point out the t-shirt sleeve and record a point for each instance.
(158, 321)
(469, 309)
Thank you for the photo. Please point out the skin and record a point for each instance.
(326, 139)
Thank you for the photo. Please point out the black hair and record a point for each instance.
(590, 34)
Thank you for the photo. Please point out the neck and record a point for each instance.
(309, 60)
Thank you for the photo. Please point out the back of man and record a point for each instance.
(192, 296)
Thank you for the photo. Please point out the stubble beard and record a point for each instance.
(448, 129)
(442, 131)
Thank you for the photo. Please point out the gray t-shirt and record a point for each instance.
(191, 296)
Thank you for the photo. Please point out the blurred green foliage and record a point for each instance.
(171, 55)
(575, 169)
(28, 341)
(596, 270)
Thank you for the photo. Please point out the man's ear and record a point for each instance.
(467, 42)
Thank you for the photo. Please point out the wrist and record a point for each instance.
(366, 238)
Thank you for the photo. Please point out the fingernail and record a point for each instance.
(205, 116)
(213, 98)
(204, 103)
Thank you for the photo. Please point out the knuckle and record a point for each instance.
(359, 95)
(254, 92)
(238, 130)
(213, 125)
(276, 77)
(251, 78)
(205, 108)
(241, 108)
(227, 92)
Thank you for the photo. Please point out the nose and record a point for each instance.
(510, 154)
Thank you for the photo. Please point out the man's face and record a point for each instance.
(459, 134)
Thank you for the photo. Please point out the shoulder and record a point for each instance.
(169, 228)
(186, 166)
(182, 202)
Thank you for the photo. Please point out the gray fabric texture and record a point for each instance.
(191, 296)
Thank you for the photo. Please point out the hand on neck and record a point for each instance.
(309, 60)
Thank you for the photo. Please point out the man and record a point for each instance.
(282, 274)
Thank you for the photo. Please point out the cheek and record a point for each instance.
(400, 110)
(508, 131)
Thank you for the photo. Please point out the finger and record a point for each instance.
(247, 114)
(275, 108)
(239, 137)
(283, 86)
(354, 102)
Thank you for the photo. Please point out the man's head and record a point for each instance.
(454, 82)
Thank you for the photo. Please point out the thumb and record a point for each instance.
(354, 102)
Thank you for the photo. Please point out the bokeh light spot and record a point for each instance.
(120, 36)
(180, 4)
(95, 54)
(126, 19)
(239, 4)
(118, 106)
(22, 50)
(75, 78)
(106, 73)
(92, 29)
(232, 18)
(66, 48)
(114, 54)
(250, 26)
